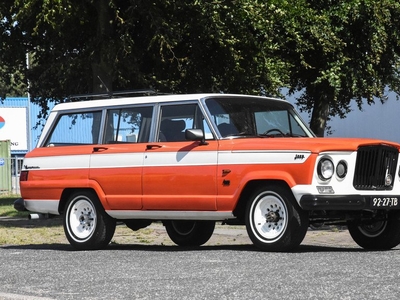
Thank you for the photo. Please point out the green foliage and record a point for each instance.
(171, 46)
(12, 80)
(340, 51)
(329, 52)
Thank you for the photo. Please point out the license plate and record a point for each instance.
(384, 202)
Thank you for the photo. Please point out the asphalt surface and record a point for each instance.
(328, 265)
(210, 272)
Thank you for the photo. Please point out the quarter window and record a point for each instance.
(76, 129)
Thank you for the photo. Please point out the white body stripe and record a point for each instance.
(116, 160)
(161, 159)
(184, 158)
(57, 162)
(262, 157)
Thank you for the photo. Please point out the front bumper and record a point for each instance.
(349, 202)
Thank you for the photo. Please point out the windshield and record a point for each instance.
(263, 117)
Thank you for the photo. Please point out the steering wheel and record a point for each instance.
(272, 130)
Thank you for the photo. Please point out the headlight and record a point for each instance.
(325, 169)
(341, 169)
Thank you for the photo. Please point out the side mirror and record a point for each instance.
(195, 135)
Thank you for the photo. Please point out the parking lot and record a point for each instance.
(145, 265)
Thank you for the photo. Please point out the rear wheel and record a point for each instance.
(189, 233)
(377, 235)
(86, 225)
(274, 221)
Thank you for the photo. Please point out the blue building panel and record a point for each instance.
(27, 114)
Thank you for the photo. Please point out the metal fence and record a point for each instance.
(10, 168)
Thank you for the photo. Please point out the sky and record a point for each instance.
(380, 121)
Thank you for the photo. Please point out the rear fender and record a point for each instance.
(92, 185)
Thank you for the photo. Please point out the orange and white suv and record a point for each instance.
(191, 160)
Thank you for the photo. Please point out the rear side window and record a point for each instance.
(128, 125)
(76, 129)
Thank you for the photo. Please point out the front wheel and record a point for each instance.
(381, 234)
(86, 225)
(189, 233)
(274, 221)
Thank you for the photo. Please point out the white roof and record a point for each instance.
(143, 100)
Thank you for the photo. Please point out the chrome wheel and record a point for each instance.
(81, 219)
(86, 225)
(274, 220)
(269, 216)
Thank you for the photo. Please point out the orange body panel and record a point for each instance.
(175, 176)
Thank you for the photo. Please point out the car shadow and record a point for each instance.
(30, 223)
(174, 248)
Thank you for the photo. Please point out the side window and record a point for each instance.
(225, 125)
(76, 129)
(176, 119)
(128, 125)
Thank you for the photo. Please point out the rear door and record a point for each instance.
(116, 164)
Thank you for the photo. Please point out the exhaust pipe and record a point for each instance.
(37, 216)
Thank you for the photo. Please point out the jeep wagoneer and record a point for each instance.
(189, 161)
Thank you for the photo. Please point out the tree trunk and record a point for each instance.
(319, 116)
(102, 67)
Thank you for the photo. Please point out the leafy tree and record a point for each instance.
(176, 46)
(330, 52)
(339, 51)
(11, 79)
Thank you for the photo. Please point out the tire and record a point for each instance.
(189, 233)
(377, 235)
(274, 221)
(86, 225)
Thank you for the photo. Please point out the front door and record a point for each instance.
(180, 174)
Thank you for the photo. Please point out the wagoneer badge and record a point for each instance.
(299, 156)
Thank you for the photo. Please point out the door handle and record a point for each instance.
(99, 149)
(149, 147)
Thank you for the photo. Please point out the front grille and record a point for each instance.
(373, 164)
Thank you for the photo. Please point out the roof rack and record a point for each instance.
(98, 96)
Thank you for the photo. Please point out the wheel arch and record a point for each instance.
(66, 195)
(240, 208)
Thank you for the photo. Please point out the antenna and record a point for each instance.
(102, 82)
